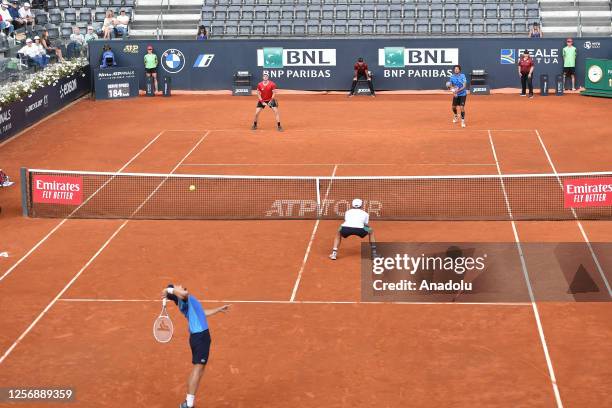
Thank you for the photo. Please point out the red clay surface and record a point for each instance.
(268, 351)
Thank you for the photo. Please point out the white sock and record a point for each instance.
(190, 399)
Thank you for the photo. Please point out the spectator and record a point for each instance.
(41, 50)
(108, 57)
(202, 33)
(121, 23)
(107, 27)
(13, 9)
(569, 62)
(45, 41)
(91, 34)
(150, 63)
(6, 21)
(5, 181)
(25, 13)
(76, 44)
(535, 32)
(33, 53)
(525, 70)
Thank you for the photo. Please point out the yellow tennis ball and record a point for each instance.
(192, 188)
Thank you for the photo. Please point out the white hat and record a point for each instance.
(5, 3)
(37, 38)
(26, 4)
(357, 203)
(28, 40)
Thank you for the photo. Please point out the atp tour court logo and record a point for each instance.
(173, 61)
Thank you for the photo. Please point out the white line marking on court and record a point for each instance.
(90, 261)
(332, 164)
(582, 231)
(62, 222)
(312, 237)
(305, 302)
(50, 305)
(536, 312)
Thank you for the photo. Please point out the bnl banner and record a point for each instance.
(328, 64)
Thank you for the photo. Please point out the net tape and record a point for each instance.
(181, 196)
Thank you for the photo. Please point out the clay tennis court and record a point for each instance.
(78, 297)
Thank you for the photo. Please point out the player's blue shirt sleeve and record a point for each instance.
(193, 311)
(459, 80)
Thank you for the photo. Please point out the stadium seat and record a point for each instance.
(85, 15)
(62, 4)
(478, 28)
(55, 16)
(104, 3)
(477, 12)
(77, 4)
(244, 30)
(368, 12)
(99, 14)
(492, 26)
(117, 3)
(340, 27)
(301, 12)
(491, 11)
(259, 28)
(436, 13)
(92, 4)
(231, 30)
(505, 11)
(464, 26)
(314, 14)
(130, 3)
(353, 27)
(519, 11)
(396, 11)
(248, 12)
(354, 13)
(51, 4)
(327, 27)
(410, 13)
(422, 12)
(208, 13)
(65, 30)
(233, 13)
(382, 12)
(342, 13)
(285, 29)
(435, 26)
(299, 28)
(463, 10)
(450, 13)
(221, 14)
(367, 27)
(287, 13)
(408, 28)
(422, 27)
(41, 19)
(70, 15)
(327, 12)
(450, 27)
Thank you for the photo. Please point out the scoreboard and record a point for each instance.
(116, 82)
(598, 77)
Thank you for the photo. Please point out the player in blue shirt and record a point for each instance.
(459, 86)
(199, 335)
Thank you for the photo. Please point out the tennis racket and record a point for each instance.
(163, 328)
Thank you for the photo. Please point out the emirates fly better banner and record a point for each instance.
(57, 190)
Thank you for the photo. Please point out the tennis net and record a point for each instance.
(75, 194)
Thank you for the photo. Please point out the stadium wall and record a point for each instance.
(44, 101)
(306, 64)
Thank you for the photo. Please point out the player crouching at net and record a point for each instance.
(355, 223)
(266, 91)
(458, 84)
(199, 337)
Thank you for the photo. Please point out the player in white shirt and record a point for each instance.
(356, 223)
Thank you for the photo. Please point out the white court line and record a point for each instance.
(295, 302)
(335, 164)
(582, 231)
(89, 262)
(378, 131)
(62, 222)
(312, 237)
(536, 313)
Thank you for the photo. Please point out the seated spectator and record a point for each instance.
(45, 41)
(76, 44)
(41, 50)
(6, 21)
(13, 9)
(108, 57)
(91, 35)
(535, 32)
(121, 23)
(33, 53)
(202, 33)
(5, 181)
(108, 27)
(25, 13)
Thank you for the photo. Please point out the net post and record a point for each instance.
(24, 191)
(319, 208)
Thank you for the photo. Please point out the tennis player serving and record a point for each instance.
(199, 337)
(458, 84)
(355, 223)
(266, 91)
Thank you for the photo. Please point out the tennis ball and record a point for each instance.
(192, 188)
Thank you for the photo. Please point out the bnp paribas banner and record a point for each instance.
(310, 64)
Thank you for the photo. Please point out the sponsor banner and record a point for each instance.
(327, 64)
(116, 83)
(483, 272)
(21, 114)
(57, 190)
(587, 192)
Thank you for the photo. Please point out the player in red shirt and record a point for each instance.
(525, 70)
(361, 71)
(266, 91)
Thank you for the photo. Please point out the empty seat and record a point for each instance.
(299, 28)
(382, 12)
(450, 27)
(55, 16)
(408, 28)
(312, 28)
(99, 14)
(367, 28)
(491, 25)
(314, 14)
(41, 19)
(491, 11)
(354, 14)
(261, 13)
(464, 26)
(380, 28)
(519, 12)
(436, 13)
(85, 15)
(505, 11)
(368, 12)
(65, 30)
(477, 12)
(233, 13)
(231, 30)
(70, 15)
(244, 29)
(92, 4)
(422, 12)
(327, 27)
(450, 13)
(353, 27)
(274, 12)
(208, 14)
(341, 13)
(301, 13)
(130, 3)
(248, 13)
(340, 27)
(77, 4)
(396, 11)
(477, 28)
(217, 29)
(327, 12)
(259, 28)
(117, 3)
(422, 27)
(272, 29)
(409, 12)
(63, 4)
(436, 27)
(285, 29)
(105, 3)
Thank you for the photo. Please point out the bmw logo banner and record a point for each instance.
(173, 61)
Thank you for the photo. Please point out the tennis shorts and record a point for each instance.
(569, 70)
(271, 103)
(360, 232)
(459, 100)
(151, 70)
(200, 347)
